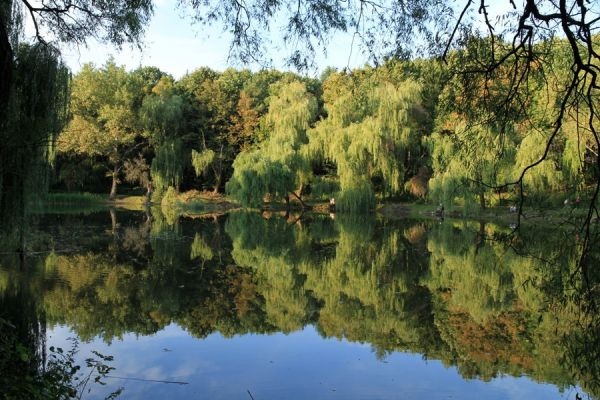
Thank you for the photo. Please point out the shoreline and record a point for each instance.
(195, 204)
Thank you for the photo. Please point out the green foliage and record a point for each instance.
(370, 130)
(278, 166)
(222, 117)
(403, 130)
(167, 167)
(356, 197)
(36, 113)
(323, 187)
(544, 177)
(200, 249)
(487, 133)
(255, 176)
(162, 111)
(202, 160)
(470, 152)
(74, 198)
(466, 160)
(169, 204)
(104, 105)
(163, 116)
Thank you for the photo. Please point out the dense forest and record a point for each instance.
(408, 129)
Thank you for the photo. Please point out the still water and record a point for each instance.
(251, 306)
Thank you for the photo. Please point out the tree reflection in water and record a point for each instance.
(449, 291)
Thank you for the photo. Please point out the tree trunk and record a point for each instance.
(482, 199)
(217, 181)
(304, 206)
(149, 193)
(113, 220)
(113, 189)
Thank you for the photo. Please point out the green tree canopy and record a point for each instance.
(370, 130)
(105, 122)
(163, 115)
(278, 166)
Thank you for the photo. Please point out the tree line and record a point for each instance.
(521, 97)
(407, 129)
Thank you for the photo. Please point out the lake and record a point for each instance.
(273, 306)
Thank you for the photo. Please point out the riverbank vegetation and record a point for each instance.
(483, 121)
(408, 130)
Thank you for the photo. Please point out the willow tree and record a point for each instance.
(475, 134)
(279, 166)
(464, 159)
(482, 140)
(162, 116)
(569, 164)
(202, 160)
(38, 111)
(370, 131)
(33, 97)
(72, 22)
(104, 123)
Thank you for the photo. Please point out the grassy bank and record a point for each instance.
(74, 198)
(92, 199)
(498, 213)
(195, 202)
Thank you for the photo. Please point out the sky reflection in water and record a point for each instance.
(351, 308)
(300, 365)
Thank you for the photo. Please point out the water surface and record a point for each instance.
(276, 306)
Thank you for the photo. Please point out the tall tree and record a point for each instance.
(163, 117)
(278, 167)
(370, 130)
(113, 21)
(38, 111)
(474, 138)
(105, 122)
(215, 98)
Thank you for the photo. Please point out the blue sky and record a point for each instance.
(175, 45)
